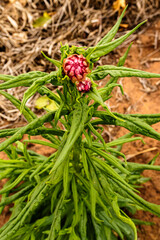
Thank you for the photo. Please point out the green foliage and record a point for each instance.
(81, 191)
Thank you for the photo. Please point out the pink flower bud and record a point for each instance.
(84, 86)
(76, 67)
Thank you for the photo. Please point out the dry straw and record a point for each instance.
(72, 21)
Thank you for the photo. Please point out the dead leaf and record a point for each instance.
(124, 25)
(45, 102)
(20, 37)
(141, 152)
(42, 102)
(52, 106)
(23, 2)
(41, 21)
(12, 22)
(119, 5)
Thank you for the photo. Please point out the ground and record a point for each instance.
(141, 96)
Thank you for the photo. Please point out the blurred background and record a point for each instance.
(28, 27)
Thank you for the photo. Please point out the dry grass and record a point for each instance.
(81, 22)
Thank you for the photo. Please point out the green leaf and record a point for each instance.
(93, 201)
(18, 180)
(97, 134)
(83, 221)
(98, 230)
(15, 196)
(120, 63)
(41, 130)
(51, 95)
(31, 126)
(122, 141)
(110, 158)
(6, 77)
(55, 62)
(109, 171)
(5, 173)
(75, 201)
(110, 35)
(133, 124)
(140, 222)
(4, 195)
(28, 114)
(80, 115)
(25, 79)
(102, 71)
(58, 113)
(85, 163)
(148, 118)
(134, 167)
(94, 94)
(102, 50)
(66, 179)
(125, 218)
(106, 91)
(44, 143)
(56, 224)
(151, 207)
(111, 222)
(34, 88)
(41, 21)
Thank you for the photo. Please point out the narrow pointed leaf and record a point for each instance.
(25, 79)
(102, 71)
(133, 124)
(34, 88)
(31, 126)
(79, 118)
(55, 62)
(27, 113)
(102, 50)
(110, 35)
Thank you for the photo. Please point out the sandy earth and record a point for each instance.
(140, 97)
(143, 98)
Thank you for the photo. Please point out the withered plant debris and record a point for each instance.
(72, 21)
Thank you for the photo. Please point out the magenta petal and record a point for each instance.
(84, 86)
(75, 66)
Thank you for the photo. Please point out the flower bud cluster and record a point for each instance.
(84, 86)
(76, 68)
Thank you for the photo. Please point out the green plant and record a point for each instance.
(82, 189)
